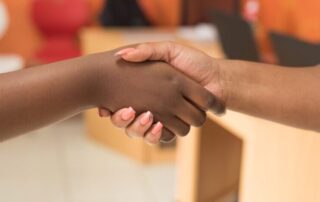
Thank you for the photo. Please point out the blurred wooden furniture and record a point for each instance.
(277, 163)
(258, 160)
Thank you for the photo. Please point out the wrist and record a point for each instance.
(101, 77)
(234, 78)
(90, 69)
(216, 81)
(223, 80)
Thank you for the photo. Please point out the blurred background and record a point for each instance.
(86, 159)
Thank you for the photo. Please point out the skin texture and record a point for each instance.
(285, 95)
(194, 63)
(35, 97)
(174, 100)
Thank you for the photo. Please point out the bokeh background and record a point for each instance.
(84, 159)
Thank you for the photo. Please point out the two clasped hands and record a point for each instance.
(157, 91)
(174, 101)
(281, 94)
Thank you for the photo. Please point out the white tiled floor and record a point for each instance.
(59, 164)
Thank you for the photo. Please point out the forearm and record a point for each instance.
(286, 95)
(35, 97)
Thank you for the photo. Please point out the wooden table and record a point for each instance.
(260, 160)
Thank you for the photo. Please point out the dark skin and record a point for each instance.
(35, 97)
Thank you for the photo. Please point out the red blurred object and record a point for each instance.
(59, 21)
(251, 10)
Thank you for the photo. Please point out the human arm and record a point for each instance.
(281, 94)
(34, 97)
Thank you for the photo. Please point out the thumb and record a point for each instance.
(135, 54)
(163, 51)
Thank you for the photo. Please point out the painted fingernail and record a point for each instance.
(127, 114)
(123, 51)
(146, 118)
(157, 129)
(133, 51)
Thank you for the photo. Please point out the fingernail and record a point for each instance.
(157, 129)
(153, 138)
(119, 53)
(127, 114)
(123, 51)
(146, 118)
(130, 52)
(104, 113)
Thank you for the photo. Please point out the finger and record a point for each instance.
(164, 51)
(202, 98)
(124, 51)
(103, 112)
(153, 136)
(177, 126)
(138, 54)
(167, 136)
(191, 114)
(123, 117)
(140, 126)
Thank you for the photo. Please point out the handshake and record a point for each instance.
(168, 86)
(155, 91)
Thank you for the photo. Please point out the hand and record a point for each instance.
(141, 127)
(196, 64)
(174, 100)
